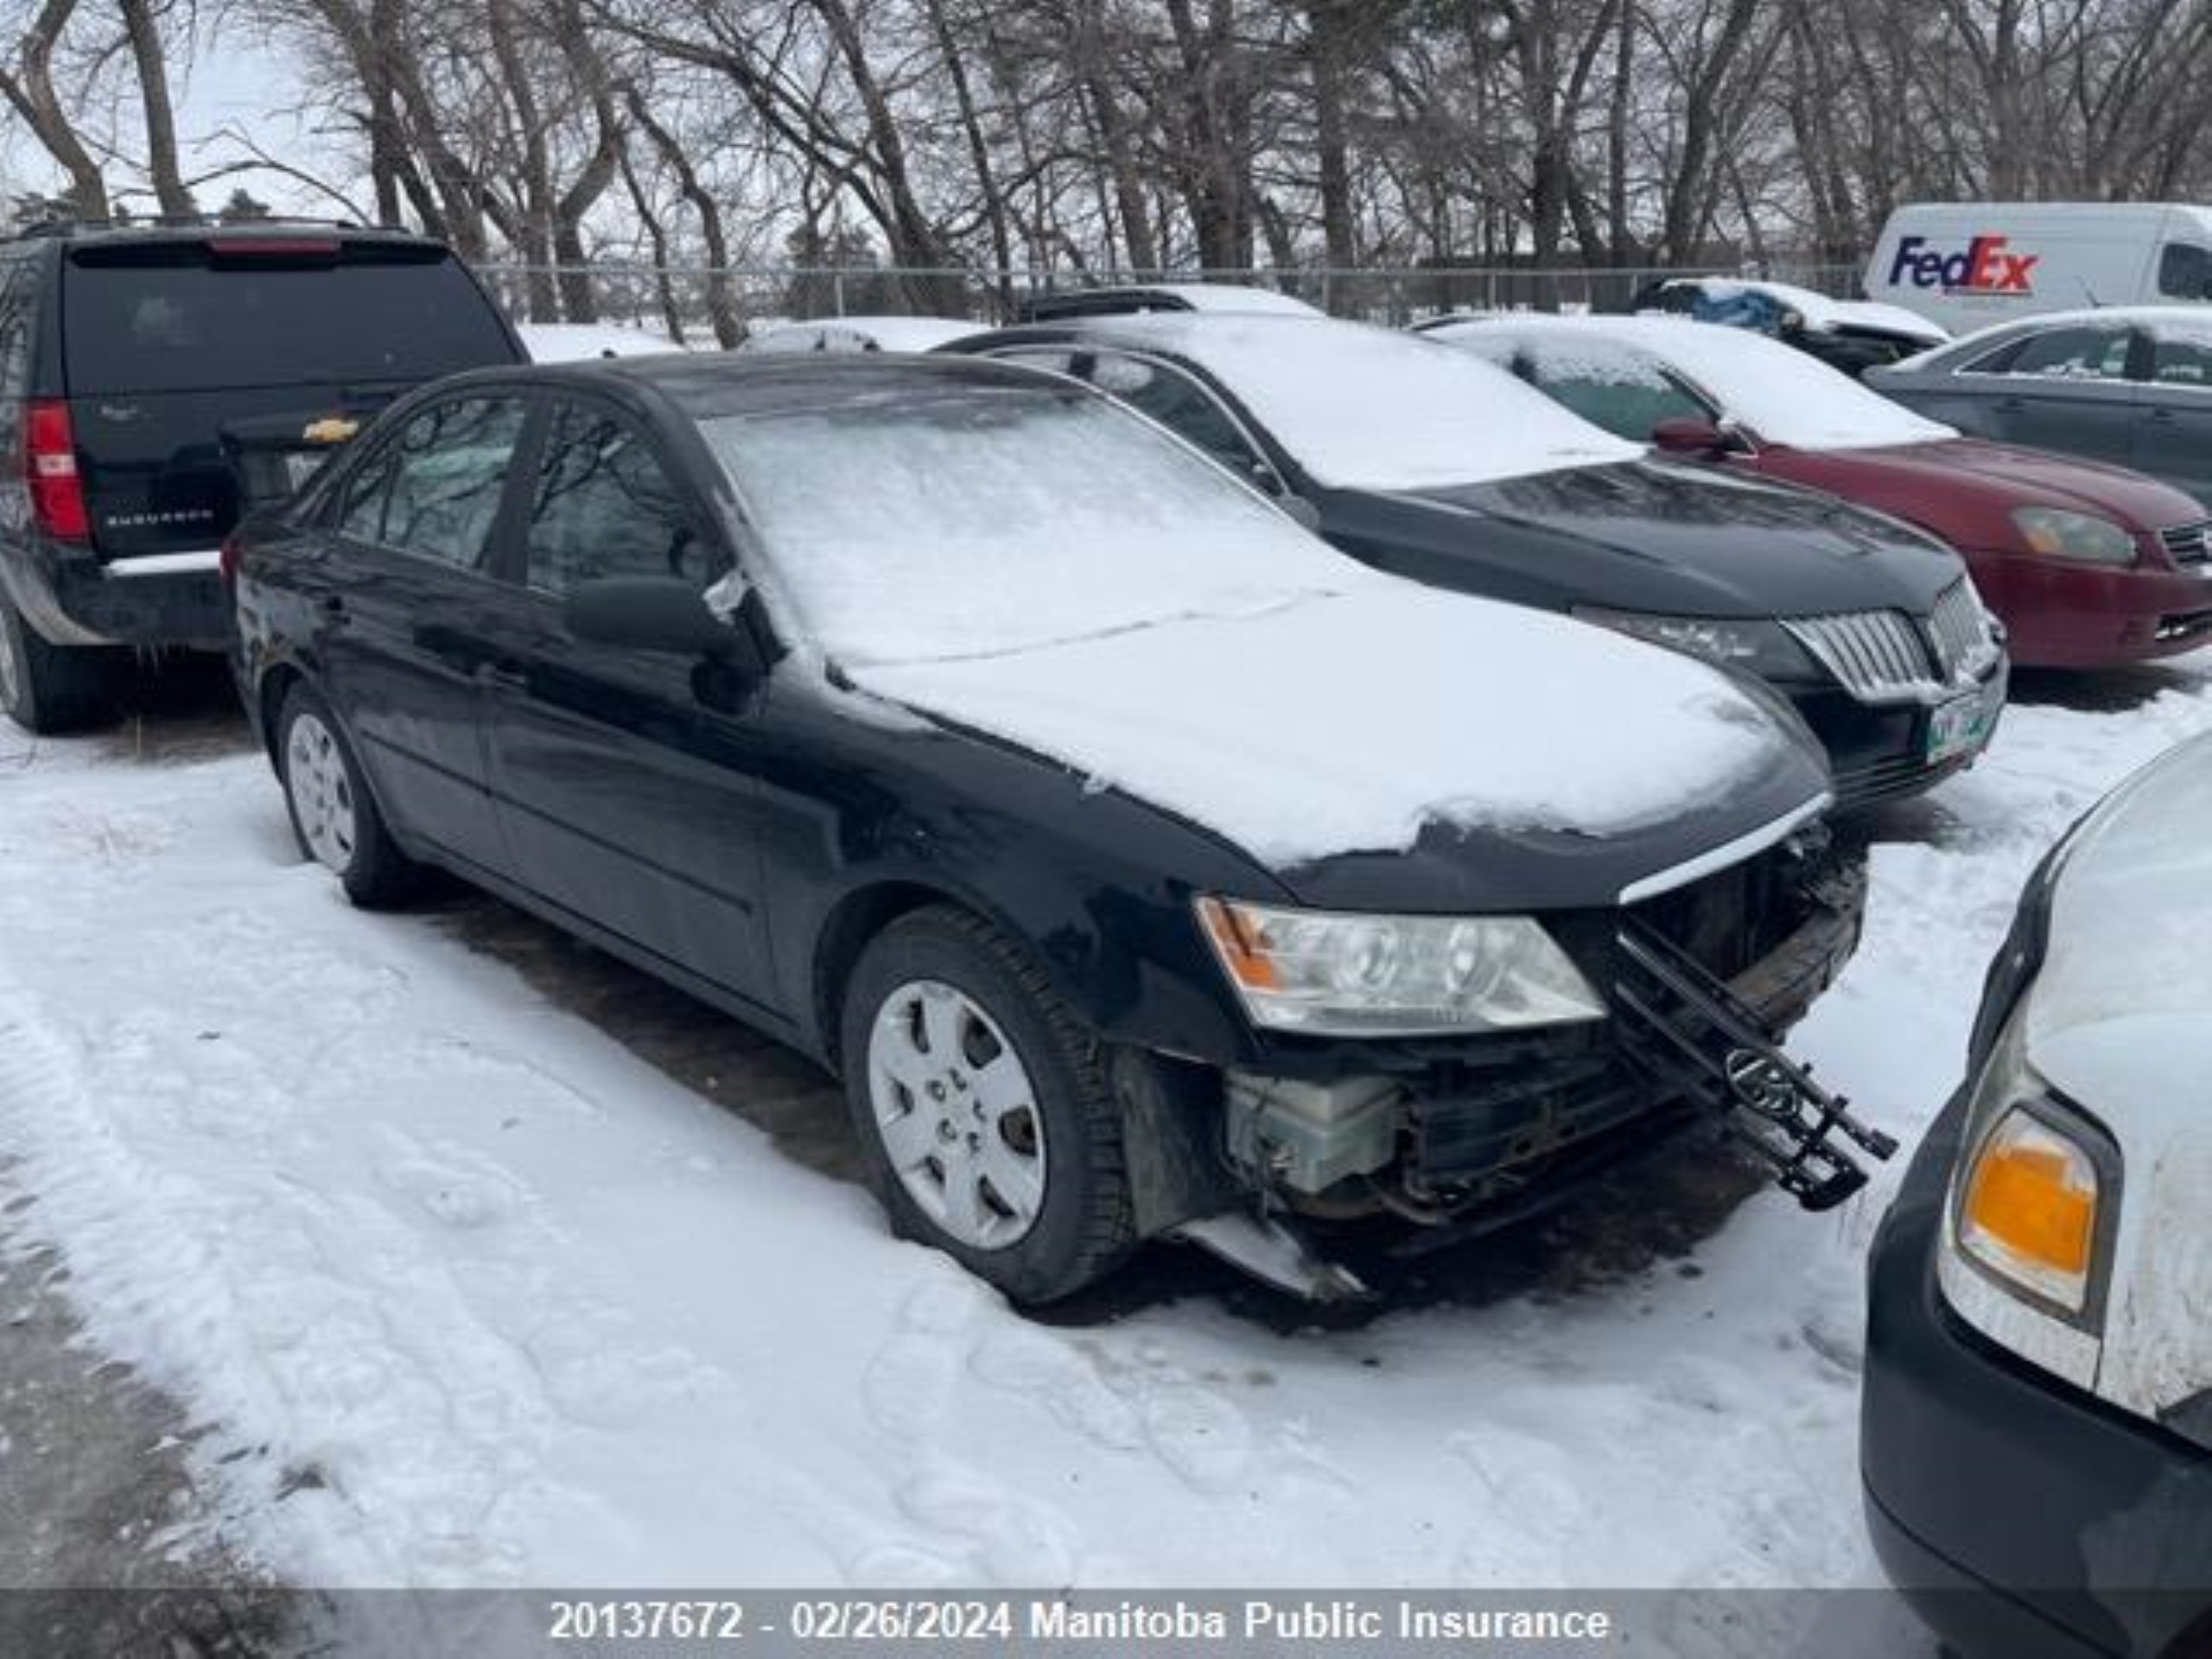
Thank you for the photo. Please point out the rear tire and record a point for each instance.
(49, 690)
(334, 817)
(981, 1106)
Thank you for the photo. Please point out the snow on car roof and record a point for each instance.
(1779, 394)
(1241, 297)
(1366, 407)
(1823, 313)
(576, 343)
(879, 333)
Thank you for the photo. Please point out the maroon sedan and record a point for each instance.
(2088, 565)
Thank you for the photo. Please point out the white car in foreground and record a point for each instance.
(2037, 1429)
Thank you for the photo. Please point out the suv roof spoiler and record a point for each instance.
(64, 227)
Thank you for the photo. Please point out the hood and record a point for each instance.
(2012, 477)
(2119, 1022)
(1395, 748)
(1656, 535)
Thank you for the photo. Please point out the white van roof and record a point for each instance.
(2057, 213)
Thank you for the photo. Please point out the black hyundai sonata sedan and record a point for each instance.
(1458, 475)
(1141, 863)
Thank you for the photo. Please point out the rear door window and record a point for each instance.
(1625, 392)
(604, 506)
(178, 317)
(1185, 408)
(2095, 352)
(2183, 359)
(433, 490)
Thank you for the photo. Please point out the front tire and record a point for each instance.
(48, 690)
(981, 1103)
(334, 817)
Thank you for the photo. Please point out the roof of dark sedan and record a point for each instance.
(708, 383)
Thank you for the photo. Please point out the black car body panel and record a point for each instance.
(176, 349)
(746, 849)
(1648, 536)
(1653, 535)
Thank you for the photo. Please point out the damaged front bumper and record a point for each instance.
(1461, 1139)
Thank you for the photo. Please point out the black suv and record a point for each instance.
(154, 380)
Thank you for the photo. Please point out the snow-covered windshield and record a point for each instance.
(1780, 393)
(1363, 408)
(981, 520)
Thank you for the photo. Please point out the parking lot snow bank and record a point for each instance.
(1346, 723)
(576, 343)
(469, 1295)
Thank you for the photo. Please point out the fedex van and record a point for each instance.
(1968, 265)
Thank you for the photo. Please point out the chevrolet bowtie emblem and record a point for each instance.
(334, 428)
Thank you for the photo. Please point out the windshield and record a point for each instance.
(1778, 392)
(978, 521)
(1363, 408)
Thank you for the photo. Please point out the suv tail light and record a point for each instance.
(227, 561)
(50, 469)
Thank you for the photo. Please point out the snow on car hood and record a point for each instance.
(2119, 1022)
(1344, 724)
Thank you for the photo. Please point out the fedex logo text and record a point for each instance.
(1985, 267)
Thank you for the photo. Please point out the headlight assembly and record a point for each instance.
(2028, 1202)
(2078, 536)
(2034, 1208)
(1332, 974)
(1759, 647)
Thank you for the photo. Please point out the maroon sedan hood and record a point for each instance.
(1927, 473)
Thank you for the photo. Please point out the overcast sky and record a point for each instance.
(249, 88)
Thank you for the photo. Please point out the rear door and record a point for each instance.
(626, 797)
(2173, 422)
(2067, 388)
(174, 347)
(409, 605)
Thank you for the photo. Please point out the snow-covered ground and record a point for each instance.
(474, 1294)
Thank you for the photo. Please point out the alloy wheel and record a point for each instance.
(957, 1114)
(322, 792)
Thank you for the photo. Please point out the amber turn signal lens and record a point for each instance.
(1244, 955)
(2031, 1209)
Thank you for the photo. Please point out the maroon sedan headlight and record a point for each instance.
(2080, 536)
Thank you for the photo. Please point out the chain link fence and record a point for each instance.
(701, 305)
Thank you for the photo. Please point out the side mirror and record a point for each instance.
(663, 613)
(1300, 511)
(1686, 436)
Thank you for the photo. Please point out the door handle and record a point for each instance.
(2163, 417)
(505, 675)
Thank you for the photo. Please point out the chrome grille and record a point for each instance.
(1879, 655)
(1959, 628)
(1887, 657)
(2189, 544)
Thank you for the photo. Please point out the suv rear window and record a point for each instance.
(171, 317)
